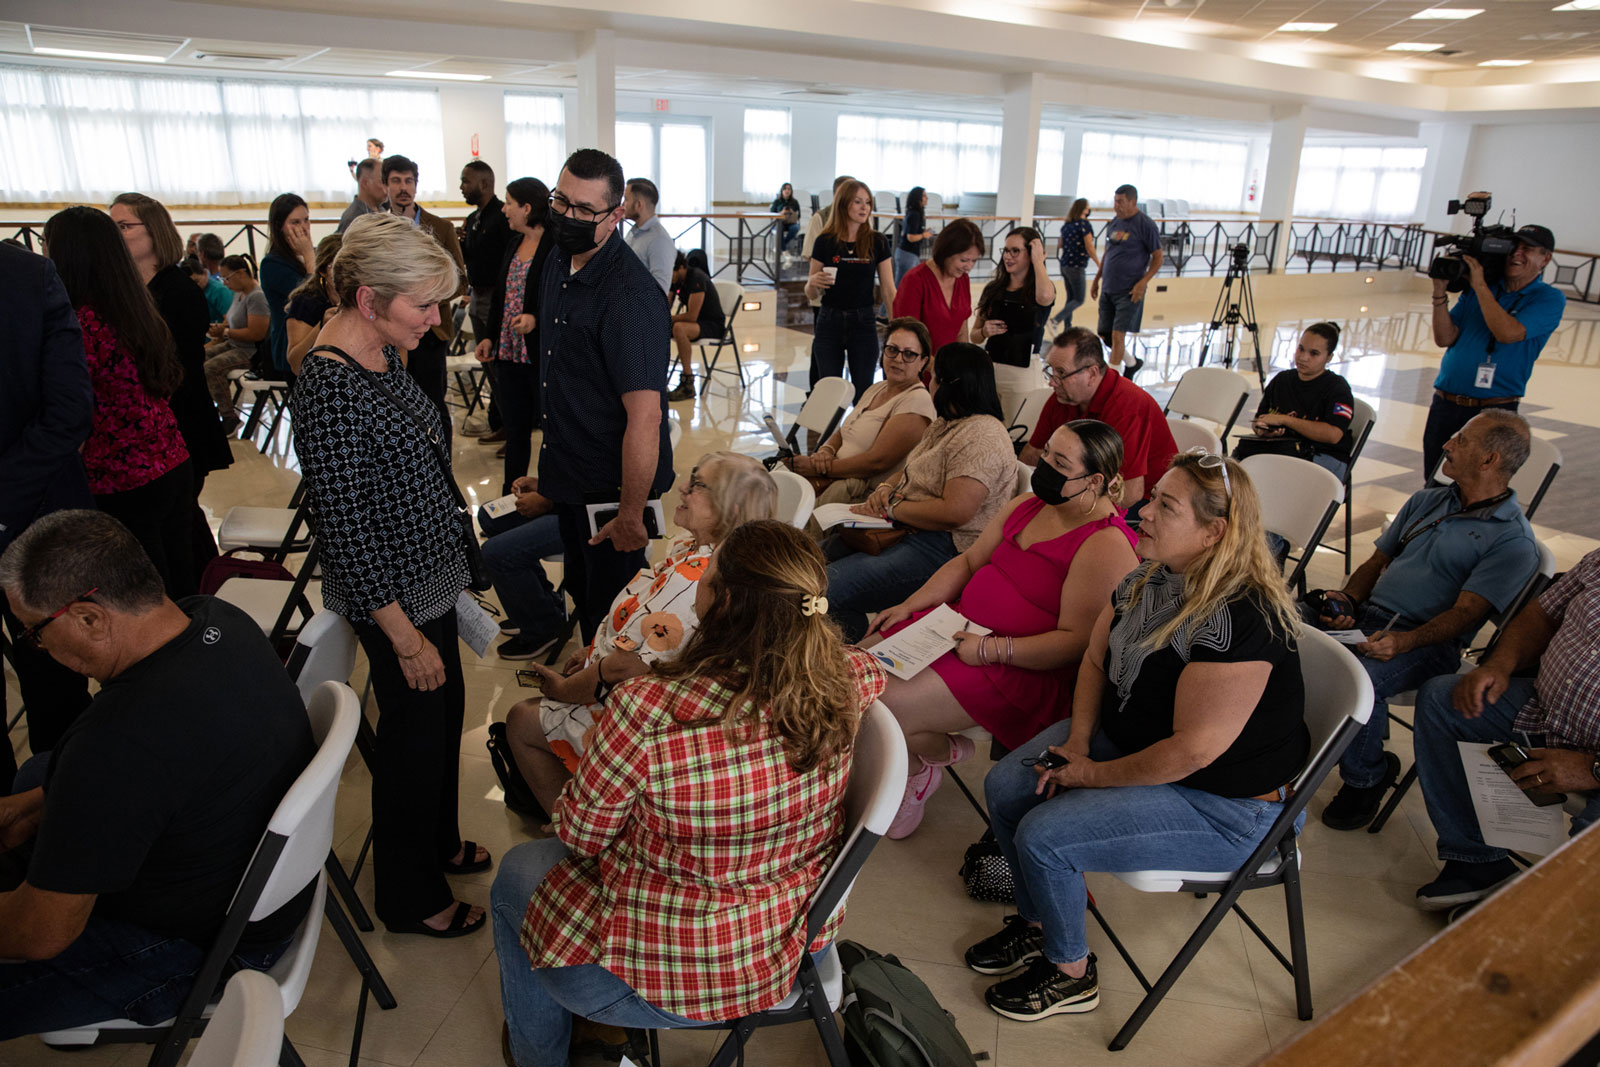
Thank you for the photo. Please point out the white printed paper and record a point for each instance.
(499, 506)
(830, 515)
(908, 651)
(474, 625)
(1347, 637)
(1506, 817)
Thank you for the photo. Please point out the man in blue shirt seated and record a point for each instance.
(1491, 338)
(1452, 556)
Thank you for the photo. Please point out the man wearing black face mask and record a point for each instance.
(604, 337)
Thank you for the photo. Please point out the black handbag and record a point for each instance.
(1287, 445)
(987, 873)
(477, 580)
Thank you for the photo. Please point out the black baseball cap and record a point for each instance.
(1538, 236)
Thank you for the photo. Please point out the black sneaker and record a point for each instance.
(1130, 369)
(1464, 883)
(509, 628)
(1354, 806)
(1042, 991)
(1004, 952)
(525, 646)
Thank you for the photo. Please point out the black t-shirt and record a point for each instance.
(785, 203)
(1141, 688)
(309, 307)
(915, 222)
(1325, 398)
(857, 274)
(1024, 321)
(158, 794)
(711, 314)
(484, 237)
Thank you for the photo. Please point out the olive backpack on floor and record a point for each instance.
(892, 1019)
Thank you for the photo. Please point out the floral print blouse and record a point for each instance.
(135, 437)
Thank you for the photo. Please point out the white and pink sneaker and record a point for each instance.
(919, 786)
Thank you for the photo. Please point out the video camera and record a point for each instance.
(1241, 256)
(1489, 245)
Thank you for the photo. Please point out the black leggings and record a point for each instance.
(160, 514)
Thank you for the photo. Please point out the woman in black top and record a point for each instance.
(394, 557)
(512, 341)
(913, 233)
(1308, 408)
(1011, 313)
(846, 259)
(1188, 721)
(786, 205)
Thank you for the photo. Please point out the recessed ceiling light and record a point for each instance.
(1505, 63)
(1414, 46)
(1579, 5)
(430, 75)
(1306, 27)
(84, 53)
(1566, 35)
(1448, 14)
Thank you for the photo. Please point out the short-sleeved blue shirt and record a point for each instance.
(603, 332)
(1129, 244)
(1073, 255)
(1537, 306)
(1491, 554)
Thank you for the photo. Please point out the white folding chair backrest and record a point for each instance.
(1026, 417)
(1294, 494)
(1337, 688)
(885, 203)
(1188, 434)
(1211, 393)
(1364, 416)
(796, 498)
(935, 205)
(325, 652)
(731, 295)
(828, 398)
(877, 785)
(1024, 478)
(247, 1029)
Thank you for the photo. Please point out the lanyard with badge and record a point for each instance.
(1482, 509)
(1485, 378)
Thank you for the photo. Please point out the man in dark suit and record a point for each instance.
(46, 408)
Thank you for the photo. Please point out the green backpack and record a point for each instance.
(891, 1019)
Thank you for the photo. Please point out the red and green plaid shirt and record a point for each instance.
(694, 854)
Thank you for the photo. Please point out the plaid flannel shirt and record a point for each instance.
(1565, 705)
(694, 855)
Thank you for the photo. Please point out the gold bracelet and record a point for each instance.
(422, 643)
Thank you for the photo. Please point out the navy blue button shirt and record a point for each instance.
(603, 332)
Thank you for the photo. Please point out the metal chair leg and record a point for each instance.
(1400, 789)
(1297, 940)
(1175, 969)
(956, 778)
(371, 979)
(347, 892)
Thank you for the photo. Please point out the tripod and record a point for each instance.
(1233, 311)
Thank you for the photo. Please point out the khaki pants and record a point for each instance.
(843, 491)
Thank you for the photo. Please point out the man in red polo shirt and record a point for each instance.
(1086, 388)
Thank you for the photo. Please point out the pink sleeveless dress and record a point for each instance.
(1018, 594)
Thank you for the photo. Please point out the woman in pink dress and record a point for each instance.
(1036, 579)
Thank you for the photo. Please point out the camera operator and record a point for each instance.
(1491, 338)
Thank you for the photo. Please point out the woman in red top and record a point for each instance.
(702, 818)
(137, 463)
(938, 293)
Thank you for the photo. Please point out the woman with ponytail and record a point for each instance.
(1188, 722)
(703, 815)
(1307, 410)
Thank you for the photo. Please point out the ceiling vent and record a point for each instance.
(817, 91)
(259, 59)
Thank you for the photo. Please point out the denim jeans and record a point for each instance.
(1073, 281)
(842, 335)
(1444, 783)
(516, 391)
(903, 261)
(540, 1003)
(1050, 843)
(512, 558)
(859, 583)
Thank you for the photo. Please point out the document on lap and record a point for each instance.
(1347, 637)
(831, 515)
(906, 652)
(1506, 817)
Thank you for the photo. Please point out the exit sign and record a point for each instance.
(663, 105)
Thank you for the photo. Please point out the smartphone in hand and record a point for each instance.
(1512, 755)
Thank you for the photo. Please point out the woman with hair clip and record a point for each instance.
(1036, 578)
(138, 465)
(1076, 248)
(1188, 723)
(700, 822)
(290, 257)
(846, 260)
(938, 293)
(1011, 313)
(1306, 410)
(238, 338)
(914, 233)
(312, 303)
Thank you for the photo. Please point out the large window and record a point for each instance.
(1208, 174)
(673, 153)
(1047, 173)
(1359, 182)
(945, 156)
(68, 135)
(766, 152)
(536, 136)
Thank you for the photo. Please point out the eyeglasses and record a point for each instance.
(1212, 461)
(905, 355)
(1012, 251)
(1051, 374)
(31, 636)
(562, 206)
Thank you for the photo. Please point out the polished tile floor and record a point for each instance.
(1233, 1005)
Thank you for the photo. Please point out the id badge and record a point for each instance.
(1485, 379)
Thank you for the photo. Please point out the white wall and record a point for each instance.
(1546, 172)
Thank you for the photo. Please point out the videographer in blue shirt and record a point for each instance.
(1491, 338)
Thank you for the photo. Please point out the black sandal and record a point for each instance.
(469, 848)
(457, 928)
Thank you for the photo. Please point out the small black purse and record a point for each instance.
(987, 873)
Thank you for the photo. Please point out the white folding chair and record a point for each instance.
(1338, 702)
(1026, 417)
(274, 532)
(1211, 393)
(1024, 478)
(1298, 501)
(288, 859)
(470, 380)
(1532, 479)
(1361, 424)
(877, 781)
(731, 294)
(273, 604)
(796, 498)
(262, 394)
(1187, 434)
(247, 1029)
(820, 414)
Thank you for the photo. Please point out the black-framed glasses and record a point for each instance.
(905, 355)
(562, 206)
(31, 635)
(1012, 251)
(1051, 374)
(1212, 461)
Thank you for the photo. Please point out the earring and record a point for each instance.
(371, 316)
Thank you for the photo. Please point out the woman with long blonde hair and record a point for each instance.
(702, 817)
(846, 259)
(1188, 724)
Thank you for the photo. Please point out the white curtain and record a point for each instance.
(1359, 181)
(1047, 172)
(766, 152)
(943, 156)
(1209, 174)
(536, 136)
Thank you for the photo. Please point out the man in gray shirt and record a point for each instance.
(1132, 257)
(648, 238)
(369, 193)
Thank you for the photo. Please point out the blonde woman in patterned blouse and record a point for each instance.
(650, 621)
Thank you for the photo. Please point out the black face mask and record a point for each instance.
(1047, 483)
(573, 236)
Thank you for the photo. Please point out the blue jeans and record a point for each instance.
(840, 335)
(1051, 843)
(511, 558)
(790, 230)
(903, 261)
(1444, 783)
(1077, 290)
(859, 583)
(540, 1003)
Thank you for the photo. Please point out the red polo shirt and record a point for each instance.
(1147, 445)
(920, 297)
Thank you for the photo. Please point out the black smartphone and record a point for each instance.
(1511, 755)
(1047, 759)
(652, 518)
(530, 679)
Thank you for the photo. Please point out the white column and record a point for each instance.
(1019, 145)
(1444, 174)
(1071, 157)
(597, 92)
(1283, 174)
